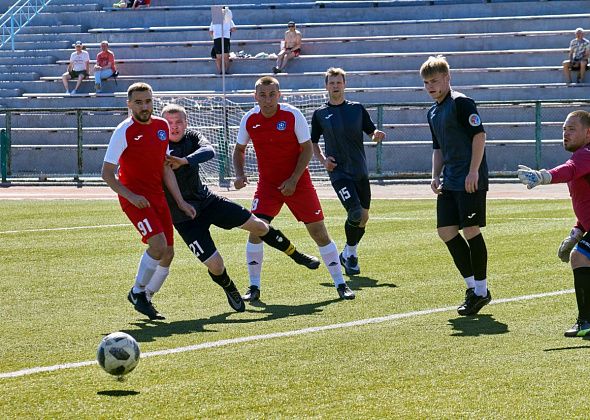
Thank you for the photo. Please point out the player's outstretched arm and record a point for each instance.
(531, 177)
(569, 243)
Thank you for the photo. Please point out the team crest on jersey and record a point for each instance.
(474, 120)
(162, 135)
(281, 126)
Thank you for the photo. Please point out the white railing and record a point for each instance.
(17, 17)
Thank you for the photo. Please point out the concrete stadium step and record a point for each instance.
(9, 93)
(6, 60)
(39, 29)
(343, 28)
(376, 78)
(11, 77)
(70, 7)
(50, 44)
(350, 62)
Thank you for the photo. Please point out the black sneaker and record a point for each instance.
(344, 292)
(275, 70)
(143, 305)
(580, 329)
(233, 298)
(252, 294)
(308, 261)
(350, 264)
(473, 303)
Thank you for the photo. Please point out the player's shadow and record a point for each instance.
(568, 348)
(150, 330)
(361, 282)
(473, 326)
(118, 393)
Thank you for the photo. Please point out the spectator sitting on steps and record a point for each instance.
(291, 48)
(105, 65)
(578, 57)
(78, 68)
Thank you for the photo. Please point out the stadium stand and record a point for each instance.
(499, 51)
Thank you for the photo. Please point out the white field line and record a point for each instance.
(6, 232)
(292, 333)
(9, 232)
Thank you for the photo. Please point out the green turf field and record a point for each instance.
(62, 290)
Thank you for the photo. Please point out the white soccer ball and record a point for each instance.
(118, 353)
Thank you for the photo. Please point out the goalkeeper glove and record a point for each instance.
(568, 244)
(531, 178)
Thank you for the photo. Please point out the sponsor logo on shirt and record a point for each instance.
(281, 126)
(328, 116)
(474, 120)
(256, 126)
(162, 134)
(138, 137)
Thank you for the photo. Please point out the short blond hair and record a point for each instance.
(267, 81)
(138, 87)
(174, 109)
(433, 66)
(582, 116)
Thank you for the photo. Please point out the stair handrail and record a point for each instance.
(17, 17)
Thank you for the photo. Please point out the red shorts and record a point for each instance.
(304, 203)
(296, 52)
(152, 220)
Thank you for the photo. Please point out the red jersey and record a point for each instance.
(276, 141)
(576, 172)
(140, 151)
(104, 57)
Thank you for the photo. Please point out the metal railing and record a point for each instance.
(17, 17)
(542, 116)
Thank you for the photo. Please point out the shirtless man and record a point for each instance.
(292, 48)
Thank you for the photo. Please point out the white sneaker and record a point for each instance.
(73, 92)
(67, 92)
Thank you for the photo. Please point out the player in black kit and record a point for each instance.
(458, 139)
(189, 148)
(342, 124)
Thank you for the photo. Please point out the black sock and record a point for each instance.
(353, 233)
(277, 240)
(582, 286)
(461, 255)
(223, 279)
(479, 257)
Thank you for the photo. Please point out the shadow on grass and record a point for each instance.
(150, 330)
(117, 393)
(361, 282)
(569, 348)
(473, 326)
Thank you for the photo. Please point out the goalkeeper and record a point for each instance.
(576, 172)
(189, 148)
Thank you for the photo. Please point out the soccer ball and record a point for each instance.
(118, 353)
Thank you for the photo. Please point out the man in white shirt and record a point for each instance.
(78, 68)
(215, 32)
(579, 53)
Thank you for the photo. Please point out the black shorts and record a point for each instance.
(583, 247)
(353, 193)
(460, 208)
(217, 45)
(222, 213)
(75, 74)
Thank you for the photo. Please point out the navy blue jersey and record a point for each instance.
(342, 127)
(453, 123)
(197, 149)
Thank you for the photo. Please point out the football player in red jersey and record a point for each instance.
(138, 146)
(281, 139)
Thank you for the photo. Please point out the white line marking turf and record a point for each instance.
(292, 333)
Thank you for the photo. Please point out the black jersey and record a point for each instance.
(342, 127)
(453, 123)
(197, 149)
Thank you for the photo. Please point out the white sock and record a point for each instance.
(470, 282)
(481, 287)
(157, 281)
(145, 271)
(331, 259)
(350, 251)
(254, 256)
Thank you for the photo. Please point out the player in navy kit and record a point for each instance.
(458, 139)
(138, 146)
(342, 124)
(188, 149)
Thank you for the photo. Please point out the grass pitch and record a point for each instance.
(61, 290)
